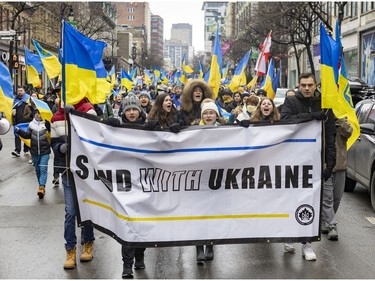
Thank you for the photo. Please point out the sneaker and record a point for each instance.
(323, 227)
(127, 272)
(289, 248)
(139, 265)
(308, 252)
(26, 153)
(30, 161)
(16, 153)
(55, 182)
(332, 234)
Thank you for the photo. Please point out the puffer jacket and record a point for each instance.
(37, 133)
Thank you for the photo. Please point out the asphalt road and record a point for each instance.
(32, 243)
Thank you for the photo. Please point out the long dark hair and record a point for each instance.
(158, 113)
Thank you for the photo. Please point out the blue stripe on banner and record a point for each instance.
(115, 147)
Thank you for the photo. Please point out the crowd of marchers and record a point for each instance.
(174, 108)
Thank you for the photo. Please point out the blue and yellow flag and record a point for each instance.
(200, 70)
(84, 74)
(216, 66)
(252, 83)
(112, 75)
(186, 68)
(126, 80)
(329, 58)
(147, 77)
(44, 110)
(239, 76)
(6, 92)
(50, 61)
(206, 76)
(34, 67)
(271, 83)
(133, 73)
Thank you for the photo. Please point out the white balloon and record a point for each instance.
(4, 126)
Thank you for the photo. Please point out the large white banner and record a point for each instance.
(223, 184)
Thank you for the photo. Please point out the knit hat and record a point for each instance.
(262, 92)
(209, 105)
(144, 93)
(131, 101)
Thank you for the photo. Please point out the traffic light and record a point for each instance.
(15, 61)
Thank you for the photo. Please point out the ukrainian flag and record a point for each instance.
(216, 66)
(239, 76)
(200, 70)
(345, 106)
(185, 67)
(252, 83)
(126, 80)
(112, 75)
(50, 62)
(34, 67)
(44, 110)
(329, 57)
(147, 77)
(84, 74)
(6, 92)
(271, 82)
(133, 73)
(206, 76)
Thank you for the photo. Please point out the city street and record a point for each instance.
(32, 243)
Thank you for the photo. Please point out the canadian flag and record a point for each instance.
(261, 65)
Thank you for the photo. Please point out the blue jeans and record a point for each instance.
(41, 167)
(87, 231)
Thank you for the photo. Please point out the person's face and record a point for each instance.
(245, 99)
(290, 93)
(20, 92)
(307, 86)
(266, 107)
(37, 115)
(34, 95)
(209, 117)
(237, 98)
(167, 104)
(132, 114)
(143, 100)
(118, 98)
(178, 91)
(197, 94)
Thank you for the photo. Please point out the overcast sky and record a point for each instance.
(181, 11)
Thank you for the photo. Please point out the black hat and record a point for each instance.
(261, 92)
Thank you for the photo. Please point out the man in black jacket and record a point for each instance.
(305, 105)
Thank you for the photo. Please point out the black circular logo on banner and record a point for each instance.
(305, 214)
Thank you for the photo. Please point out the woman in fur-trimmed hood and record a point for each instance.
(194, 92)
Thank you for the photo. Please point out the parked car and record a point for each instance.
(361, 155)
(359, 89)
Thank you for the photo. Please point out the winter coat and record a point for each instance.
(343, 132)
(300, 108)
(141, 120)
(58, 134)
(37, 133)
(24, 113)
(190, 112)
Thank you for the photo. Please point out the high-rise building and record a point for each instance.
(175, 50)
(214, 14)
(157, 35)
(182, 32)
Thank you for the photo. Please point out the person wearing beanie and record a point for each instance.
(194, 92)
(132, 111)
(145, 101)
(40, 148)
(210, 113)
(261, 93)
(132, 114)
(225, 100)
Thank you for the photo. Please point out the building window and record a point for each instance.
(367, 6)
(130, 10)
(131, 17)
(354, 7)
(351, 62)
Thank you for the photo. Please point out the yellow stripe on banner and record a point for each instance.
(245, 216)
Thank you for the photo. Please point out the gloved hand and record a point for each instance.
(151, 124)
(319, 115)
(48, 125)
(113, 122)
(245, 123)
(175, 127)
(327, 173)
(63, 148)
(68, 108)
